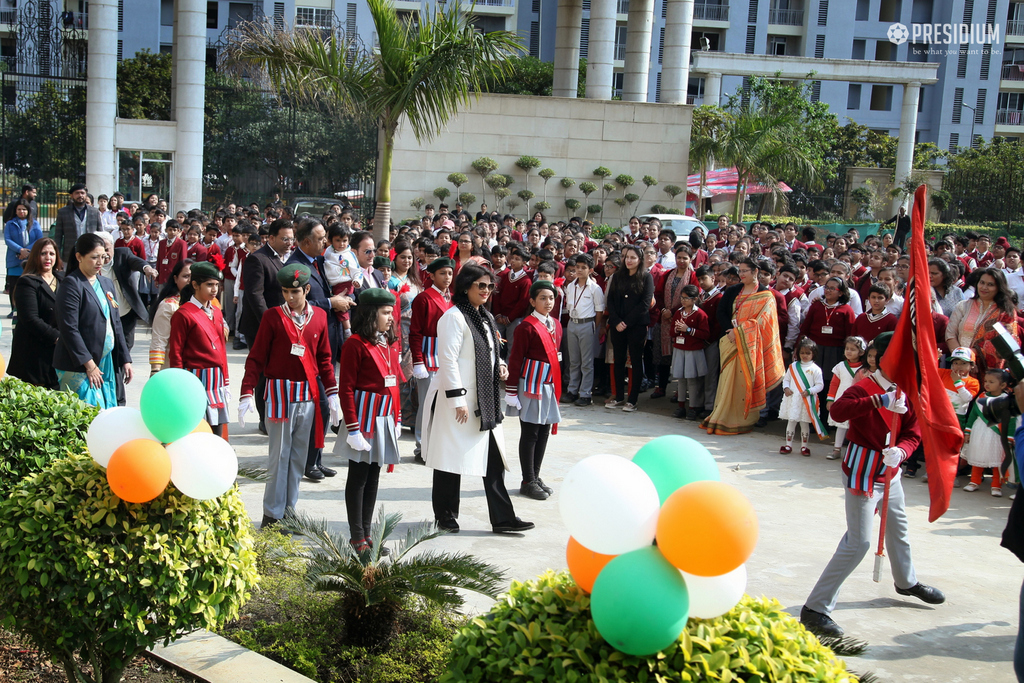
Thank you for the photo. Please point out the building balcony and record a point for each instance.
(693, 99)
(74, 20)
(1012, 77)
(622, 7)
(786, 17)
(620, 52)
(1015, 29)
(711, 13)
(1009, 117)
(9, 15)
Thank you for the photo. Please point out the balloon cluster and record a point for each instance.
(656, 540)
(166, 440)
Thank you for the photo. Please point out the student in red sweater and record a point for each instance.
(690, 332)
(871, 407)
(291, 350)
(170, 252)
(878, 319)
(427, 308)
(129, 240)
(534, 385)
(368, 390)
(829, 321)
(511, 300)
(198, 339)
(196, 250)
(708, 299)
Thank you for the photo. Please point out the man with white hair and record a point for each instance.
(123, 267)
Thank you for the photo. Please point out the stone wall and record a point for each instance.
(570, 136)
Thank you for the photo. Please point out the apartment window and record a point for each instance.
(585, 36)
(921, 12)
(986, 61)
(312, 16)
(917, 52)
(859, 49)
(279, 16)
(752, 12)
(617, 84)
(819, 48)
(958, 105)
(239, 12)
(881, 98)
(954, 141)
(815, 91)
(961, 64)
(120, 15)
(167, 12)
(620, 43)
(853, 96)
(863, 8)
(661, 47)
(884, 51)
(120, 50)
(751, 39)
(823, 13)
(979, 109)
(968, 11)
(697, 40)
(889, 10)
(535, 39)
(536, 6)
(657, 89)
(212, 20)
(777, 45)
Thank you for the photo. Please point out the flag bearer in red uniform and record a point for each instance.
(871, 406)
(427, 309)
(534, 385)
(197, 341)
(368, 388)
(291, 350)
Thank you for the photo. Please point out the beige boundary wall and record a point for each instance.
(570, 136)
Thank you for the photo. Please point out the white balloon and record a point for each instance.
(609, 504)
(113, 428)
(713, 596)
(203, 466)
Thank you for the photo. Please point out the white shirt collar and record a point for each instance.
(881, 380)
(207, 307)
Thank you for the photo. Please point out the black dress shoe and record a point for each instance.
(819, 624)
(532, 489)
(239, 345)
(268, 522)
(262, 428)
(516, 525)
(327, 471)
(933, 596)
(679, 412)
(314, 474)
(568, 397)
(544, 486)
(449, 525)
(583, 401)
(761, 423)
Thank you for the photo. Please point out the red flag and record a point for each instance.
(912, 362)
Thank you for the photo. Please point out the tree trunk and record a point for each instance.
(760, 205)
(700, 192)
(382, 215)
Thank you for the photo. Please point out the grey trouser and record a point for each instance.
(713, 357)
(691, 392)
(858, 540)
(581, 339)
(421, 391)
(229, 304)
(507, 332)
(238, 315)
(289, 443)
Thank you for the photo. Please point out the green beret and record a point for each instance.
(439, 263)
(376, 297)
(203, 271)
(293, 275)
(542, 284)
(383, 262)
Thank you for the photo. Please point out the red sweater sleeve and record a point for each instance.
(520, 344)
(416, 325)
(351, 357)
(259, 354)
(180, 328)
(833, 387)
(325, 368)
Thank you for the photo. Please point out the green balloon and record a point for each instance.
(173, 402)
(674, 461)
(639, 602)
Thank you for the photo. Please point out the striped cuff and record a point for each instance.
(332, 391)
(157, 357)
(352, 427)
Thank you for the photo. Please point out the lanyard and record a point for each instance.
(829, 312)
(385, 355)
(576, 300)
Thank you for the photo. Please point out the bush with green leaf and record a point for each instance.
(416, 203)
(82, 572)
(602, 172)
(541, 206)
(543, 630)
(441, 193)
(467, 199)
(38, 426)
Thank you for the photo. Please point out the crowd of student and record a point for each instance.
(748, 324)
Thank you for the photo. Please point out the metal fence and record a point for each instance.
(984, 197)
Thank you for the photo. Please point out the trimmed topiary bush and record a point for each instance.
(543, 630)
(37, 426)
(82, 572)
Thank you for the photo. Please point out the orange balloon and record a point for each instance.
(585, 564)
(139, 471)
(707, 528)
(203, 427)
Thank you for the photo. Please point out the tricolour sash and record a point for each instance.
(550, 350)
(430, 354)
(810, 401)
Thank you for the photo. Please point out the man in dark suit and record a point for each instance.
(262, 292)
(74, 220)
(310, 241)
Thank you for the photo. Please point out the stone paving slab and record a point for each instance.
(215, 659)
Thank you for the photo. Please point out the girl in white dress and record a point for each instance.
(983, 448)
(843, 377)
(801, 385)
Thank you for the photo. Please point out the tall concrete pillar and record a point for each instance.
(908, 130)
(190, 91)
(638, 51)
(567, 48)
(675, 68)
(101, 98)
(712, 89)
(601, 49)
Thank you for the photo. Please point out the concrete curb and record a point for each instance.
(214, 659)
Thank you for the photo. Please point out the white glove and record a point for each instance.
(245, 405)
(357, 442)
(334, 403)
(419, 371)
(512, 400)
(892, 457)
(897, 404)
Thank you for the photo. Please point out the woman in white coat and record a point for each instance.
(462, 427)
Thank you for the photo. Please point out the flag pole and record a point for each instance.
(876, 575)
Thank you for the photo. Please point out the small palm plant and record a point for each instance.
(374, 589)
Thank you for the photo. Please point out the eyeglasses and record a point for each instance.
(369, 251)
(485, 286)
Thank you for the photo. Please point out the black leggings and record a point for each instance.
(631, 340)
(360, 497)
(533, 441)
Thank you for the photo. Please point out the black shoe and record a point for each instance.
(533, 490)
(262, 428)
(568, 397)
(680, 412)
(910, 474)
(449, 525)
(819, 624)
(239, 345)
(704, 414)
(419, 459)
(268, 522)
(583, 401)
(515, 526)
(327, 471)
(691, 414)
(547, 489)
(314, 474)
(761, 423)
(933, 596)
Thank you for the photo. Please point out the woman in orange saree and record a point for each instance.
(751, 354)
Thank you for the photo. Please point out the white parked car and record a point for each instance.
(682, 226)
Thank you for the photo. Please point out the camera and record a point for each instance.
(1001, 409)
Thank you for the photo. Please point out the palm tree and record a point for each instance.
(372, 588)
(420, 72)
(708, 123)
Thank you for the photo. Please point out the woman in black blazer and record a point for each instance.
(35, 335)
(91, 343)
(628, 304)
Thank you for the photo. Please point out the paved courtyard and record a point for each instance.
(799, 502)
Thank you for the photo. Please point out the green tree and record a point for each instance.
(458, 180)
(649, 181)
(672, 191)
(573, 205)
(530, 76)
(467, 199)
(527, 164)
(441, 193)
(484, 166)
(144, 86)
(985, 182)
(422, 72)
(587, 188)
(709, 123)
(566, 183)
(547, 174)
(416, 203)
(46, 139)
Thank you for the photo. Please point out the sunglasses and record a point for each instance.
(485, 286)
